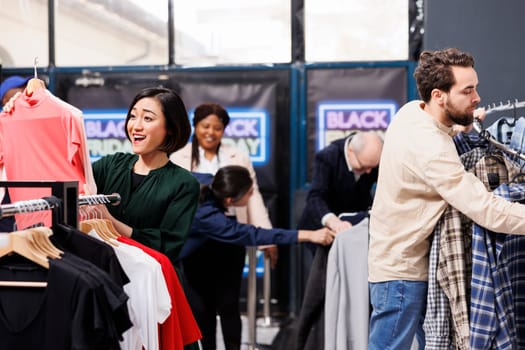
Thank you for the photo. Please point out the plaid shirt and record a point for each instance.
(453, 271)
(514, 253)
(467, 142)
(450, 259)
(498, 286)
(437, 324)
(446, 320)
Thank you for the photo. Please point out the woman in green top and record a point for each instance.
(159, 198)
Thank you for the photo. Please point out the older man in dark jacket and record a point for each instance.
(344, 176)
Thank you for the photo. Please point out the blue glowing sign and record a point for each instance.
(248, 130)
(105, 132)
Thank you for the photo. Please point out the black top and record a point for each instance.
(72, 312)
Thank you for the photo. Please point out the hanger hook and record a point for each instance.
(35, 64)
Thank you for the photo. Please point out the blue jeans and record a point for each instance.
(397, 315)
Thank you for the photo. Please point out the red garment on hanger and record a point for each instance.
(180, 328)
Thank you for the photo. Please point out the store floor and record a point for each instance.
(264, 334)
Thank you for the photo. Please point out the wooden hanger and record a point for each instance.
(40, 236)
(100, 226)
(112, 231)
(19, 242)
(33, 85)
(103, 227)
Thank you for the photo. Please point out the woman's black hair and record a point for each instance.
(201, 112)
(177, 121)
(231, 181)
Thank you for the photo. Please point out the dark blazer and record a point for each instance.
(333, 187)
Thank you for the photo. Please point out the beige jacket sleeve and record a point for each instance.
(182, 157)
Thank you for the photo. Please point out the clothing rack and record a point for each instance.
(95, 199)
(53, 203)
(509, 106)
(28, 206)
(63, 200)
(478, 127)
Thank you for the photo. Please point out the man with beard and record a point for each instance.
(420, 174)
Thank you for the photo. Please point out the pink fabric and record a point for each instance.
(41, 140)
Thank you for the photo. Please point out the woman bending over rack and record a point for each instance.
(232, 186)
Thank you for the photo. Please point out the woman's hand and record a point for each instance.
(323, 236)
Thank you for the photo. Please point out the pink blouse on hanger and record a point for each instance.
(42, 139)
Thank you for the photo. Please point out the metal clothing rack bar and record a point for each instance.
(94, 199)
(66, 191)
(509, 106)
(28, 206)
(49, 203)
(478, 127)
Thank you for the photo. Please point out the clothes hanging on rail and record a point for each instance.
(446, 320)
(450, 292)
(138, 321)
(437, 323)
(74, 311)
(91, 249)
(43, 138)
(346, 303)
(309, 332)
(180, 328)
(498, 290)
(454, 257)
(149, 299)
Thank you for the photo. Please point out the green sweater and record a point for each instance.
(160, 210)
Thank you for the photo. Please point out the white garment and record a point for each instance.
(149, 301)
(210, 166)
(346, 296)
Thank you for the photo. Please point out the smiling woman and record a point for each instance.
(159, 198)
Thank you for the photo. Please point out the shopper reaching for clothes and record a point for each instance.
(231, 186)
